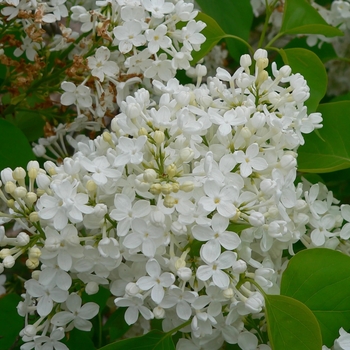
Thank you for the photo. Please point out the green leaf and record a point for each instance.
(116, 325)
(12, 323)
(77, 339)
(213, 34)
(31, 124)
(299, 17)
(235, 18)
(291, 325)
(325, 52)
(154, 340)
(311, 67)
(320, 278)
(15, 150)
(331, 150)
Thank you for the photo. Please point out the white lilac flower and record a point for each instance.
(156, 281)
(77, 315)
(215, 263)
(46, 294)
(66, 204)
(101, 66)
(75, 95)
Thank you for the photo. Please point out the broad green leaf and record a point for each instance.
(291, 325)
(311, 67)
(116, 325)
(11, 323)
(325, 52)
(154, 340)
(31, 124)
(235, 18)
(320, 278)
(331, 150)
(344, 97)
(77, 339)
(213, 34)
(300, 17)
(15, 150)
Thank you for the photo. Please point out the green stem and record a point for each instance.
(250, 280)
(251, 50)
(174, 330)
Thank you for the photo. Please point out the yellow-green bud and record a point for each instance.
(159, 137)
(156, 189)
(32, 263)
(169, 201)
(187, 186)
(171, 170)
(34, 217)
(167, 188)
(10, 187)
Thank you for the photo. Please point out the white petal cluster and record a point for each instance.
(179, 211)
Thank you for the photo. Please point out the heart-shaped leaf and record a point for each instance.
(291, 325)
(330, 150)
(320, 278)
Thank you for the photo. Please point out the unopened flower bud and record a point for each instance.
(180, 263)
(158, 137)
(246, 133)
(186, 154)
(167, 188)
(157, 218)
(256, 219)
(33, 169)
(262, 76)
(36, 275)
(245, 61)
(107, 137)
(262, 63)
(177, 228)
(169, 201)
(175, 187)
(158, 312)
(260, 53)
(11, 204)
(171, 170)
(19, 174)
(32, 263)
(201, 70)
(10, 187)
(9, 261)
(187, 186)
(184, 273)
(239, 266)
(156, 189)
(91, 288)
(31, 198)
(22, 239)
(20, 192)
(34, 216)
(30, 331)
(285, 71)
(50, 167)
(288, 162)
(4, 253)
(91, 186)
(150, 175)
(142, 132)
(228, 293)
(132, 288)
(34, 253)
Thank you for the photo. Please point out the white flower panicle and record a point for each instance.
(181, 209)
